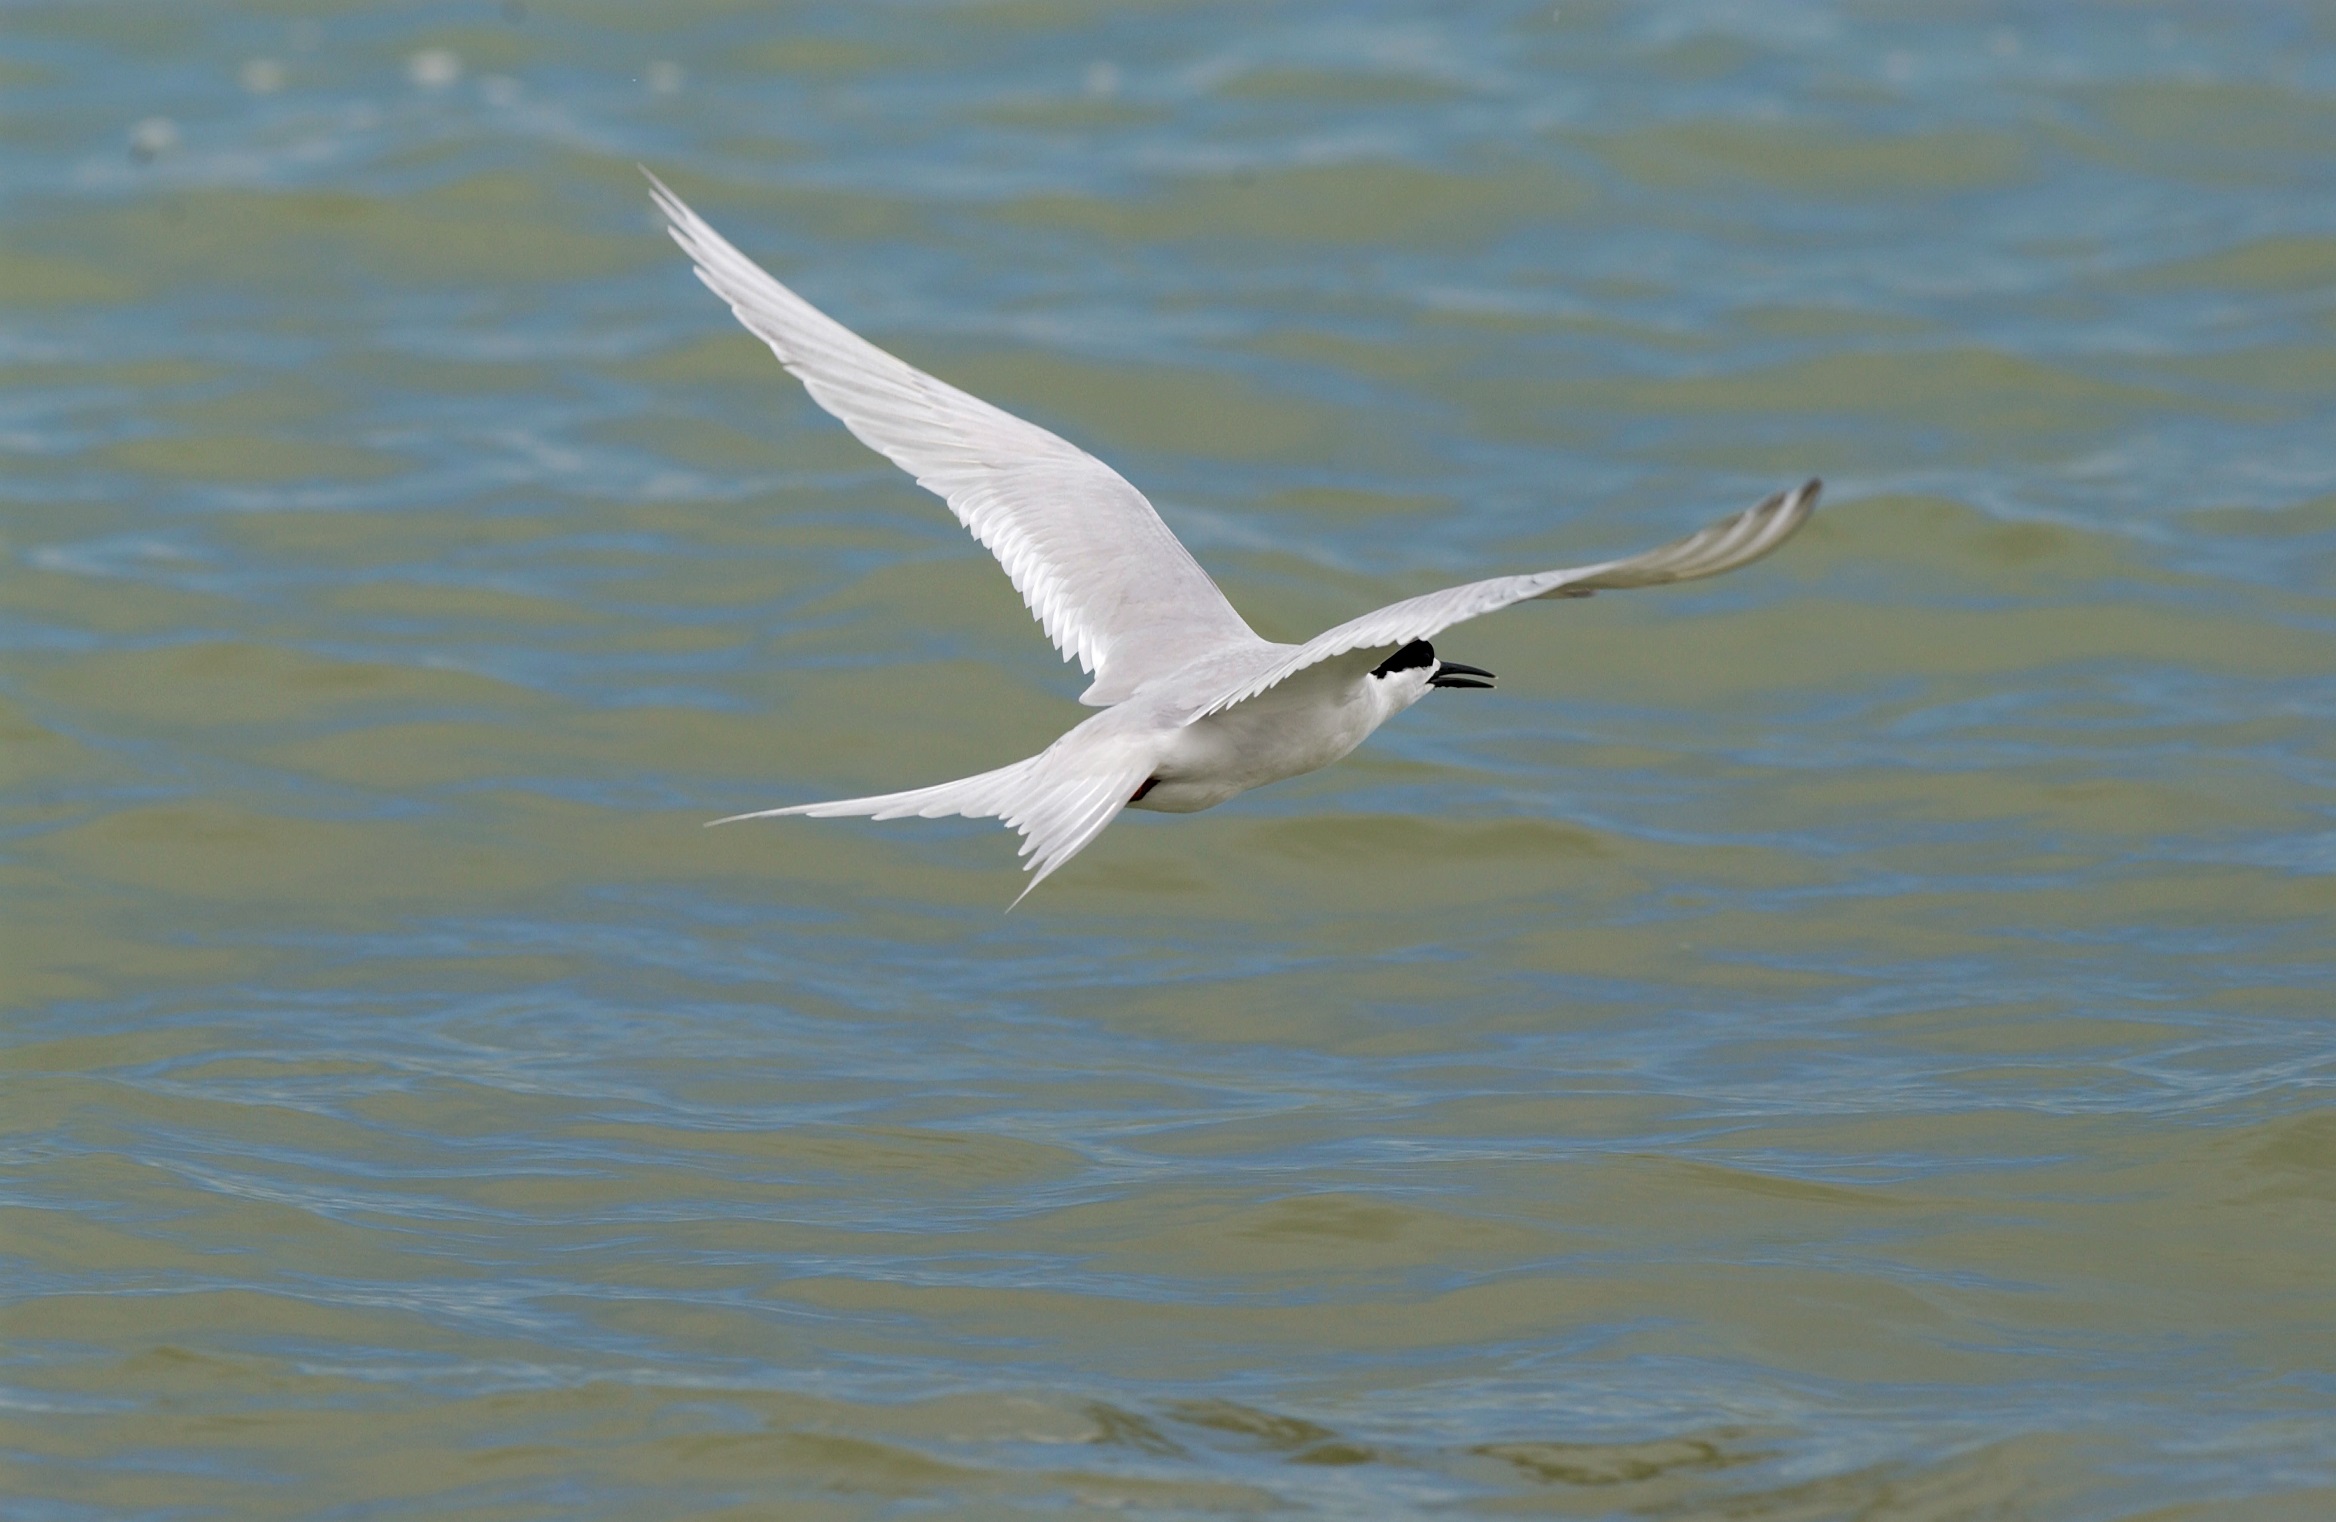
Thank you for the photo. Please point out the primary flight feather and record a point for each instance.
(1196, 707)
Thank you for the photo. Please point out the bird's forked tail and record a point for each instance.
(1057, 800)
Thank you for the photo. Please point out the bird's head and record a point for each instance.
(1409, 673)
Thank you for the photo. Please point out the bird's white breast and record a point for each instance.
(1299, 726)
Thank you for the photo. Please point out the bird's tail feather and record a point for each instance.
(1058, 800)
(978, 797)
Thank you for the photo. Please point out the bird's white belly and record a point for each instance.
(1264, 740)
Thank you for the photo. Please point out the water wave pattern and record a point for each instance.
(1849, 1040)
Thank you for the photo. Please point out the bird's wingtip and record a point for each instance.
(675, 209)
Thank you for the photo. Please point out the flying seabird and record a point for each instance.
(1196, 707)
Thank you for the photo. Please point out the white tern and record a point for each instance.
(1196, 707)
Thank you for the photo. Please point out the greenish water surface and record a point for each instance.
(1853, 1040)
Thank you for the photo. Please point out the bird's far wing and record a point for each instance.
(1734, 541)
(1108, 582)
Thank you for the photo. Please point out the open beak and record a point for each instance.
(1453, 674)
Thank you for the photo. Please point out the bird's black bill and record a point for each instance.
(1453, 674)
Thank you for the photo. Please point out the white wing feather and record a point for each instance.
(1734, 541)
(1106, 579)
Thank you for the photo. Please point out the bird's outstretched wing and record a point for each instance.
(1108, 582)
(1733, 541)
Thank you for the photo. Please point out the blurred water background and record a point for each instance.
(1849, 1041)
